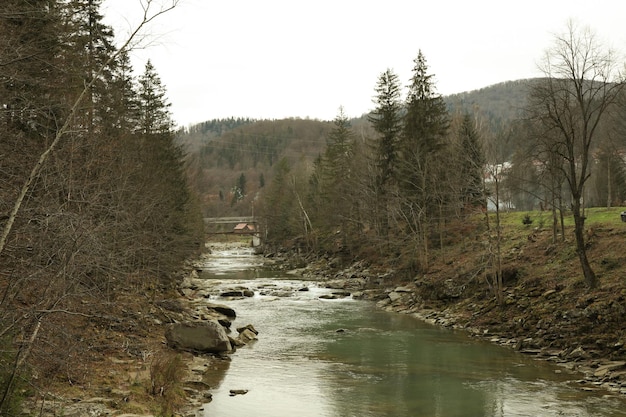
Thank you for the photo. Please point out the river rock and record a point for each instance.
(236, 342)
(394, 296)
(578, 353)
(604, 369)
(222, 309)
(232, 294)
(188, 281)
(225, 323)
(206, 337)
(247, 336)
(248, 327)
(328, 297)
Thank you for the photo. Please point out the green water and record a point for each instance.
(378, 364)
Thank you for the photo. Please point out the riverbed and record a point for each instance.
(343, 357)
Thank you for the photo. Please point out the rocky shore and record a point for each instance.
(572, 328)
(196, 332)
(569, 328)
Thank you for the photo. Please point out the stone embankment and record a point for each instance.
(575, 334)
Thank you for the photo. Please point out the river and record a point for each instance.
(345, 358)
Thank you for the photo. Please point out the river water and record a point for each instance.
(345, 358)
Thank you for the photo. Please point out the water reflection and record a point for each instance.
(379, 364)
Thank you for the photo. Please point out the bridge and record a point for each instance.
(229, 220)
(242, 225)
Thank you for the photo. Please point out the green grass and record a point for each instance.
(595, 216)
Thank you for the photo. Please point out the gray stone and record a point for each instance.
(247, 336)
(579, 352)
(222, 309)
(329, 297)
(232, 293)
(206, 337)
(609, 367)
(249, 327)
(394, 296)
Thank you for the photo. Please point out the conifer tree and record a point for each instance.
(336, 176)
(386, 120)
(123, 113)
(472, 161)
(91, 46)
(425, 127)
(154, 114)
(420, 171)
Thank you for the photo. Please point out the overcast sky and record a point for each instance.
(298, 58)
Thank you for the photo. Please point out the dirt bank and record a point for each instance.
(545, 311)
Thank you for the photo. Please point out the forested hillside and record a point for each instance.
(228, 156)
(234, 160)
(406, 178)
(499, 105)
(94, 203)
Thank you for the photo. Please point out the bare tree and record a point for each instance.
(148, 16)
(582, 82)
(47, 274)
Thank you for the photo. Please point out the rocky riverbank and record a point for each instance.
(560, 321)
(574, 328)
(164, 353)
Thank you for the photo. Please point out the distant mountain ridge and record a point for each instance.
(499, 104)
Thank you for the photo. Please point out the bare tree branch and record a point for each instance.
(148, 17)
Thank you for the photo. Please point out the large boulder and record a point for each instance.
(222, 309)
(205, 337)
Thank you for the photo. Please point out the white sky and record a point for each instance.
(295, 58)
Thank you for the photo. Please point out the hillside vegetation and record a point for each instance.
(428, 187)
(96, 216)
(220, 151)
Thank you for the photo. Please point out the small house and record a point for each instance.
(244, 228)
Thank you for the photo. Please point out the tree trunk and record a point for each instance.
(609, 192)
(591, 281)
(555, 222)
(499, 280)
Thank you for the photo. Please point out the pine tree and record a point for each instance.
(154, 114)
(472, 161)
(336, 177)
(426, 121)
(90, 45)
(421, 173)
(123, 114)
(386, 120)
(29, 72)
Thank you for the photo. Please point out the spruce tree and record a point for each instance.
(154, 114)
(386, 120)
(90, 44)
(472, 161)
(421, 173)
(426, 120)
(336, 175)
